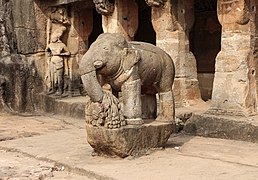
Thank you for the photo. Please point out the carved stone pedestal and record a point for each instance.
(130, 140)
(126, 95)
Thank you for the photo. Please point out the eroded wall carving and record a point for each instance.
(155, 3)
(57, 63)
(57, 72)
(104, 7)
(233, 11)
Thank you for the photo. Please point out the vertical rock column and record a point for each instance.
(234, 88)
(255, 9)
(81, 28)
(123, 19)
(172, 21)
(77, 43)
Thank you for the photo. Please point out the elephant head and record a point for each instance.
(109, 56)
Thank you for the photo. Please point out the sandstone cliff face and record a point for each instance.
(5, 27)
(18, 43)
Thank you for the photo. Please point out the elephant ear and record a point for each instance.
(130, 58)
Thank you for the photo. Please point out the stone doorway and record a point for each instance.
(205, 43)
(145, 30)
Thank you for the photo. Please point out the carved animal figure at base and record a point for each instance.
(137, 69)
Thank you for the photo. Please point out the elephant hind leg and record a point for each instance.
(166, 98)
(166, 107)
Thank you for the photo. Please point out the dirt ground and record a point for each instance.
(21, 166)
(18, 166)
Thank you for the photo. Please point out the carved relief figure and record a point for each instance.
(57, 50)
(104, 7)
(59, 15)
(156, 3)
(234, 11)
(135, 68)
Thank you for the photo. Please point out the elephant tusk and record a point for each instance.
(123, 77)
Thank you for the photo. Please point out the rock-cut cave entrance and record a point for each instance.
(205, 43)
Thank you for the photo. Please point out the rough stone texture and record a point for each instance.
(15, 89)
(129, 140)
(68, 106)
(206, 85)
(104, 7)
(7, 39)
(123, 20)
(20, 73)
(172, 23)
(226, 127)
(234, 89)
(22, 81)
(25, 27)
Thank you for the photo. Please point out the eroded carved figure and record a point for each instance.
(235, 11)
(156, 3)
(57, 50)
(104, 7)
(108, 113)
(139, 70)
(59, 15)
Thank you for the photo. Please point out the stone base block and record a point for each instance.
(186, 92)
(65, 106)
(129, 140)
(225, 127)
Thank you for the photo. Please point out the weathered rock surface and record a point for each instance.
(129, 140)
(226, 127)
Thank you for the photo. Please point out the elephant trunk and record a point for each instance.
(92, 86)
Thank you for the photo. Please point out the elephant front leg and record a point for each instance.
(166, 107)
(131, 92)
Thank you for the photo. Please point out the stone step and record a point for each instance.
(65, 106)
(225, 127)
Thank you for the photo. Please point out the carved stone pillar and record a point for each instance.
(82, 25)
(234, 88)
(78, 43)
(255, 8)
(122, 18)
(172, 21)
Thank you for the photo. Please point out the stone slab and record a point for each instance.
(226, 127)
(131, 140)
(73, 107)
(184, 157)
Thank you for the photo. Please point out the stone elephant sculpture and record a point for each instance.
(137, 69)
